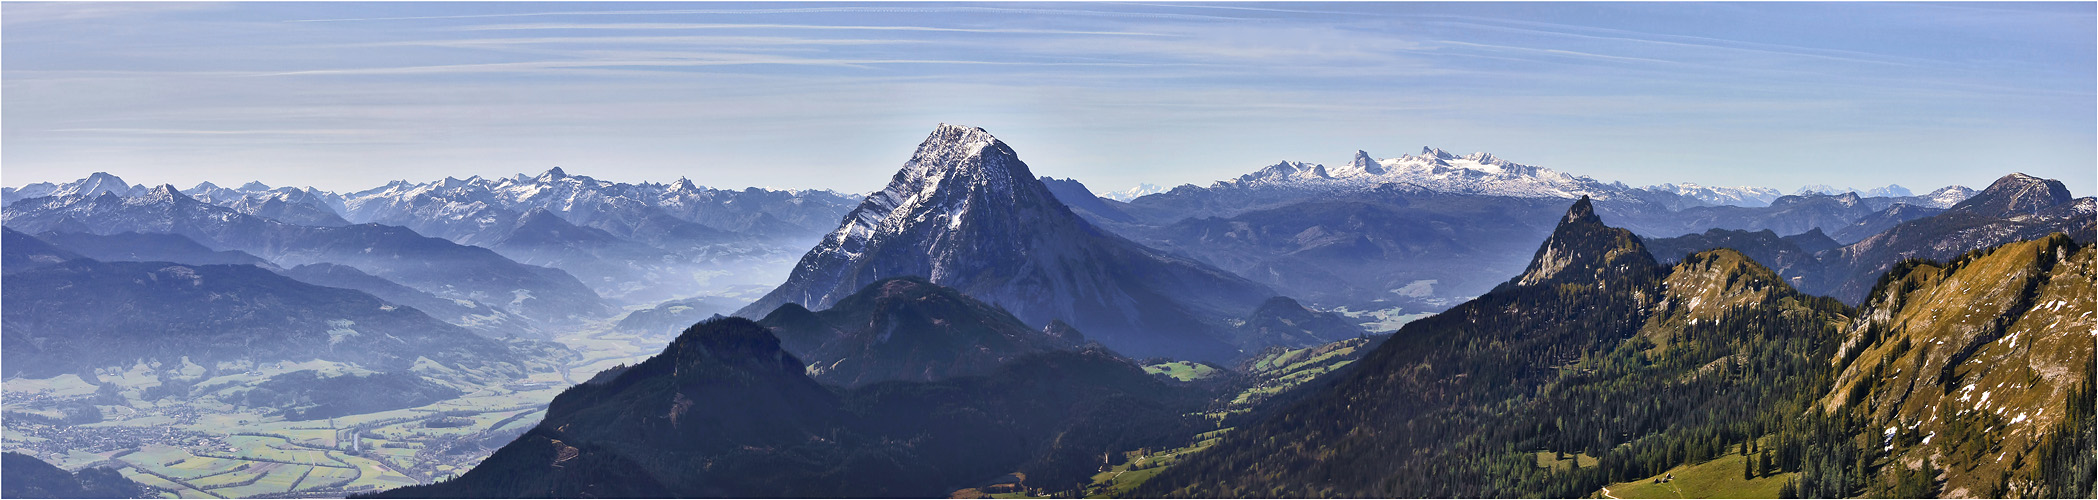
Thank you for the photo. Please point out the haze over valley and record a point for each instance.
(1077, 250)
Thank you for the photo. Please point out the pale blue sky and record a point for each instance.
(835, 95)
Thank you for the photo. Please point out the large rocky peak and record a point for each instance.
(2015, 195)
(955, 170)
(964, 200)
(1582, 248)
(964, 212)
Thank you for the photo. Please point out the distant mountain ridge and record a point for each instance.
(666, 240)
(1481, 173)
(83, 314)
(434, 265)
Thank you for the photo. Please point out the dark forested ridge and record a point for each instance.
(23, 476)
(724, 412)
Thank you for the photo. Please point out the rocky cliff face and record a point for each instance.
(966, 213)
(1967, 367)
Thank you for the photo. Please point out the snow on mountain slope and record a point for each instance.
(966, 213)
(1133, 193)
(1433, 170)
(1740, 196)
(94, 184)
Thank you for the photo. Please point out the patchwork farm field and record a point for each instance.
(208, 445)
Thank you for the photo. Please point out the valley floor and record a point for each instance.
(203, 448)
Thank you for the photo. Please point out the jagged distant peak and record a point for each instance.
(164, 193)
(1822, 189)
(1141, 190)
(1889, 191)
(958, 154)
(1952, 189)
(1436, 153)
(254, 186)
(1364, 164)
(552, 174)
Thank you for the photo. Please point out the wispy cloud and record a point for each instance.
(807, 10)
(1192, 91)
(189, 131)
(756, 26)
(689, 60)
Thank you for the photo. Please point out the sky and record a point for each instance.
(347, 96)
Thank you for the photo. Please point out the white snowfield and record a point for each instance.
(1438, 171)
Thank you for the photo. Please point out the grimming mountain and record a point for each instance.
(908, 329)
(434, 265)
(1599, 351)
(724, 411)
(964, 212)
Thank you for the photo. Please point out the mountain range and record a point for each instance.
(1634, 367)
(631, 243)
(1598, 351)
(81, 314)
(972, 327)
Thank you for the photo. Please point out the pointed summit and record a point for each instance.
(1583, 250)
(1365, 164)
(1582, 211)
(165, 193)
(552, 174)
(94, 185)
(965, 212)
(1436, 153)
(2014, 195)
(254, 186)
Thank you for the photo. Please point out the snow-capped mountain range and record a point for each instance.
(1480, 173)
(1133, 193)
(678, 238)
